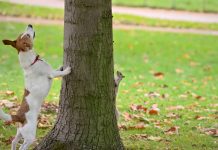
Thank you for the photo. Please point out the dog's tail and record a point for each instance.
(4, 116)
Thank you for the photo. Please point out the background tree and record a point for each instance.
(86, 117)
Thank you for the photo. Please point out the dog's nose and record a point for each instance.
(30, 26)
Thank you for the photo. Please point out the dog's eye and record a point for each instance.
(28, 35)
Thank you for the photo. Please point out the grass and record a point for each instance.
(189, 5)
(48, 13)
(137, 55)
(7, 8)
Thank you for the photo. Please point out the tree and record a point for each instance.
(86, 117)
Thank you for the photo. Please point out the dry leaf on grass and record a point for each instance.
(152, 95)
(173, 116)
(7, 104)
(179, 71)
(200, 117)
(210, 131)
(8, 141)
(214, 105)
(154, 110)
(139, 136)
(159, 75)
(14, 98)
(145, 137)
(178, 107)
(9, 93)
(43, 121)
(139, 126)
(138, 84)
(127, 116)
(135, 107)
(49, 107)
(172, 130)
(153, 138)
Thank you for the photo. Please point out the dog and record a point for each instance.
(38, 79)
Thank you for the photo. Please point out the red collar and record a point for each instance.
(36, 59)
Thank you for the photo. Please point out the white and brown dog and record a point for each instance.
(38, 79)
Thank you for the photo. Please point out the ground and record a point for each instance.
(168, 98)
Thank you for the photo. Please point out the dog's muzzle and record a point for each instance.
(29, 31)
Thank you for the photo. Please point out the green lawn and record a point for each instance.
(190, 5)
(48, 13)
(189, 67)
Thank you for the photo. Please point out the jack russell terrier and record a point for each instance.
(38, 79)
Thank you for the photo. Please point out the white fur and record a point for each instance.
(38, 80)
(117, 80)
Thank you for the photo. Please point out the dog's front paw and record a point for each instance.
(67, 70)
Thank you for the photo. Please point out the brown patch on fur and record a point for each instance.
(21, 44)
(20, 116)
(9, 42)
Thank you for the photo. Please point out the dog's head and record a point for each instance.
(24, 42)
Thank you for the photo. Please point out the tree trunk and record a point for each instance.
(86, 117)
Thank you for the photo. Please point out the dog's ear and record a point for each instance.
(9, 42)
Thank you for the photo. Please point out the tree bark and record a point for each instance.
(86, 117)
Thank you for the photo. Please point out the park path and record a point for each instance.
(115, 26)
(144, 12)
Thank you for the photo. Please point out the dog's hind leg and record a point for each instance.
(26, 144)
(56, 73)
(17, 138)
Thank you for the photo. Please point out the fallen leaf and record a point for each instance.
(9, 93)
(153, 138)
(8, 123)
(159, 75)
(154, 110)
(139, 136)
(14, 98)
(214, 105)
(183, 96)
(193, 106)
(140, 125)
(172, 130)
(135, 107)
(158, 125)
(125, 91)
(8, 141)
(211, 131)
(127, 116)
(124, 127)
(179, 71)
(178, 107)
(7, 104)
(200, 97)
(152, 95)
(193, 64)
(49, 107)
(173, 116)
(186, 55)
(200, 117)
(43, 121)
(138, 84)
